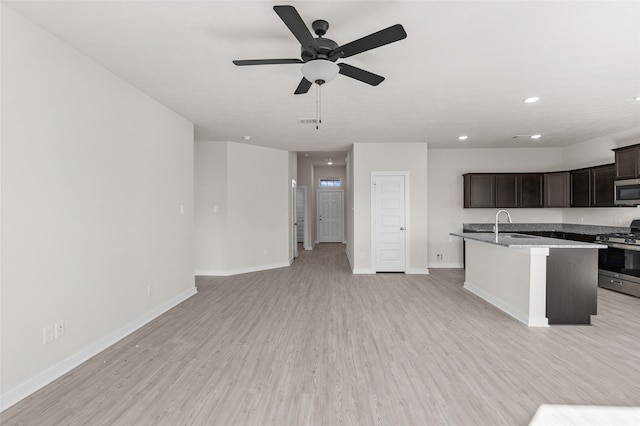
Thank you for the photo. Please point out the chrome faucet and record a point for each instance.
(495, 227)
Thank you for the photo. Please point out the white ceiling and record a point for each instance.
(464, 68)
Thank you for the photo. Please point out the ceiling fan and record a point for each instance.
(320, 54)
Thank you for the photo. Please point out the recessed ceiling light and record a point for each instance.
(330, 163)
(536, 136)
(637, 98)
(246, 138)
(532, 100)
(463, 137)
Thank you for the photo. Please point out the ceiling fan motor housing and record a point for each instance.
(326, 46)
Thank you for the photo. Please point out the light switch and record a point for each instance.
(181, 208)
(216, 209)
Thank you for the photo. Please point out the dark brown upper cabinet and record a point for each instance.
(479, 190)
(581, 188)
(506, 191)
(593, 187)
(627, 164)
(602, 179)
(557, 189)
(503, 190)
(531, 194)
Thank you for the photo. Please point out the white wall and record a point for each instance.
(367, 158)
(93, 176)
(252, 223)
(210, 162)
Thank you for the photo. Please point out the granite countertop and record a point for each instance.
(542, 227)
(514, 240)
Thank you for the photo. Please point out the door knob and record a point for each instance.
(402, 228)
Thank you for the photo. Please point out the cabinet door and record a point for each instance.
(530, 192)
(602, 179)
(556, 189)
(581, 188)
(627, 163)
(506, 190)
(479, 190)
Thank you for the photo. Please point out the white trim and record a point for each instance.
(446, 265)
(257, 268)
(39, 381)
(419, 271)
(507, 308)
(407, 225)
(306, 238)
(363, 271)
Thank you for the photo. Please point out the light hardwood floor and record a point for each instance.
(313, 344)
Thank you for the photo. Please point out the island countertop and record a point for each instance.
(514, 240)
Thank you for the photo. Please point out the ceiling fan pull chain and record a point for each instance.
(317, 106)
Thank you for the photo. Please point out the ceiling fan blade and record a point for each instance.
(296, 25)
(267, 61)
(388, 35)
(303, 87)
(360, 74)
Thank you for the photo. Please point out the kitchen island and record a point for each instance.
(537, 280)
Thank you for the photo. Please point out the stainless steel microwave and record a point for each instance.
(627, 192)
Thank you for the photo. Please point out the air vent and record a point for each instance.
(308, 121)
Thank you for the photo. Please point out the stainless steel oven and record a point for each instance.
(619, 264)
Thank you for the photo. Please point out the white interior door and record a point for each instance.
(390, 223)
(330, 216)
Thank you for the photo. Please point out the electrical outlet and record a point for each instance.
(439, 256)
(181, 208)
(47, 335)
(59, 329)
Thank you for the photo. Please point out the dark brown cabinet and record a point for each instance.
(593, 187)
(602, 179)
(556, 189)
(588, 187)
(506, 191)
(627, 164)
(479, 190)
(581, 188)
(531, 194)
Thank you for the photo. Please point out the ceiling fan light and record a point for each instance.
(320, 71)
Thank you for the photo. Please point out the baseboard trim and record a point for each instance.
(363, 271)
(36, 383)
(420, 271)
(446, 265)
(257, 268)
(507, 308)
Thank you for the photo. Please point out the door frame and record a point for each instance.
(407, 204)
(321, 191)
(305, 225)
(294, 227)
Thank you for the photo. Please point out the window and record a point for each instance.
(330, 183)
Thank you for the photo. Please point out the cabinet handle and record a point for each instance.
(616, 282)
